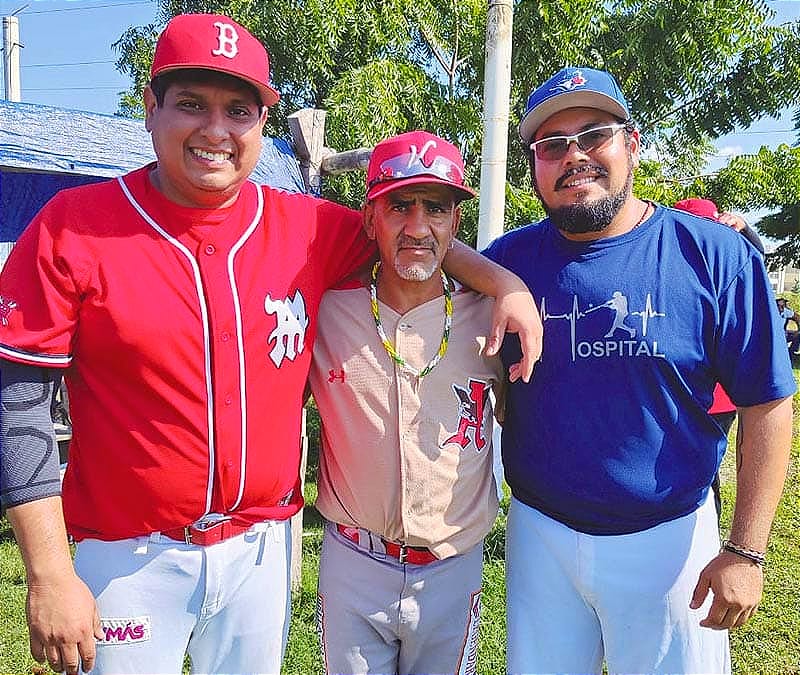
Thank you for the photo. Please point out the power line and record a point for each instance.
(768, 131)
(83, 9)
(59, 65)
(115, 88)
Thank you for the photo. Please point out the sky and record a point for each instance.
(67, 61)
(766, 131)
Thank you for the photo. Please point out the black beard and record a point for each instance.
(590, 216)
(587, 216)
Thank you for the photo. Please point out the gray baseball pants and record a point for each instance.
(377, 615)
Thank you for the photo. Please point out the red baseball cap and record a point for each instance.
(415, 157)
(214, 42)
(704, 208)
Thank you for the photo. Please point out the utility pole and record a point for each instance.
(11, 48)
(496, 91)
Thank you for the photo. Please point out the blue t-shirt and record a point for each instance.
(611, 436)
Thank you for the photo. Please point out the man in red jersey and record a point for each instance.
(180, 301)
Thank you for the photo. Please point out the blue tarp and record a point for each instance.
(44, 149)
(23, 194)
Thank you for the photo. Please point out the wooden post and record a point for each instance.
(297, 519)
(307, 127)
(349, 160)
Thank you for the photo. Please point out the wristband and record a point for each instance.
(756, 557)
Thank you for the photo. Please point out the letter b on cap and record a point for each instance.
(227, 38)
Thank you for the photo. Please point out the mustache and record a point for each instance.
(426, 242)
(596, 168)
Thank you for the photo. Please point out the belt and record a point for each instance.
(414, 555)
(206, 532)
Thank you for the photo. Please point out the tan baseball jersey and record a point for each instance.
(407, 458)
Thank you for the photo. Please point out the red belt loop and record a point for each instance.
(414, 555)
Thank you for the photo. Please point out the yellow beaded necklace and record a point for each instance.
(387, 344)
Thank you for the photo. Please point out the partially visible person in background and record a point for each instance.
(708, 209)
(784, 310)
(787, 314)
(722, 409)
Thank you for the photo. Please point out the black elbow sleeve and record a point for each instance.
(29, 464)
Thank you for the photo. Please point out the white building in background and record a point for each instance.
(786, 279)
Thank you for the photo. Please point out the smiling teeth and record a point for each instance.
(213, 156)
(580, 181)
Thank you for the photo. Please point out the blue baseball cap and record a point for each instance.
(572, 88)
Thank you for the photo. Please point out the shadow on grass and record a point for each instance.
(312, 519)
(6, 533)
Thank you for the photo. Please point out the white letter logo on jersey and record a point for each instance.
(620, 338)
(290, 332)
(6, 307)
(227, 38)
(471, 408)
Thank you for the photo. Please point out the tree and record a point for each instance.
(692, 70)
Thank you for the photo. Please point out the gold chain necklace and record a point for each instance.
(387, 344)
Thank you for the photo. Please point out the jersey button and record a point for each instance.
(225, 336)
(211, 249)
(228, 400)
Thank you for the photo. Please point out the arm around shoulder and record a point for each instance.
(515, 310)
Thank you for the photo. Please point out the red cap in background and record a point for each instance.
(699, 207)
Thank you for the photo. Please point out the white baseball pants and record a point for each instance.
(575, 600)
(226, 605)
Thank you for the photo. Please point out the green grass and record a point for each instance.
(769, 643)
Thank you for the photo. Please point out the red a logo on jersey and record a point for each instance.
(472, 404)
(333, 375)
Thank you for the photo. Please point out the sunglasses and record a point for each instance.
(555, 147)
(412, 164)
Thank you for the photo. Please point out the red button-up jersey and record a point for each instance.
(186, 335)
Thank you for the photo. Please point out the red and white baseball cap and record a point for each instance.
(415, 157)
(704, 208)
(214, 42)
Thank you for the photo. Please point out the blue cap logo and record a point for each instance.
(571, 82)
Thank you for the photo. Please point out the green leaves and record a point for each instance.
(692, 70)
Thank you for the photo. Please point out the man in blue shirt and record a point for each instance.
(612, 544)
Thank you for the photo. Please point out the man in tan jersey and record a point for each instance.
(403, 389)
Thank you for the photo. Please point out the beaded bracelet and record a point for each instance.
(756, 557)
